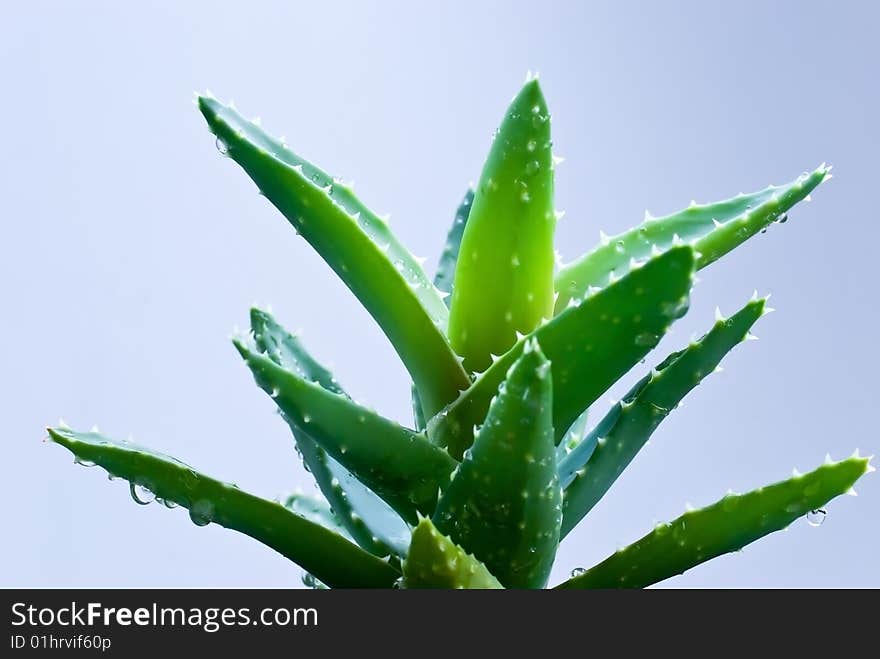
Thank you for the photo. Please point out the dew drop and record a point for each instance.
(532, 166)
(141, 494)
(84, 463)
(309, 580)
(222, 147)
(398, 584)
(578, 571)
(816, 517)
(525, 196)
(202, 512)
(531, 145)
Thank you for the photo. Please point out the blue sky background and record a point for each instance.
(130, 249)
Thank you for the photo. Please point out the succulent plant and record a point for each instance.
(507, 354)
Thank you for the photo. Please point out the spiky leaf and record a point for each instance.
(590, 469)
(399, 465)
(714, 229)
(591, 345)
(357, 244)
(504, 274)
(726, 526)
(327, 555)
(504, 503)
(367, 518)
(434, 561)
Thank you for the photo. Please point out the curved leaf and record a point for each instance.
(713, 229)
(368, 519)
(330, 557)
(399, 465)
(726, 526)
(357, 244)
(591, 469)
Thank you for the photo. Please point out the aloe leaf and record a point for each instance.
(328, 556)
(713, 229)
(504, 503)
(368, 519)
(434, 561)
(357, 244)
(399, 465)
(590, 345)
(444, 279)
(591, 469)
(315, 510)
(726, 526)
(504, 274)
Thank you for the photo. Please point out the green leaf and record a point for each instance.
(590, 345)
(434, 561)
(726, 526)
(399, 465)
(330, 557)
(504, 503)
(444, 280)
(357, 244)
(504, 275)
(591, 469)
(713, 229)
(368, 519)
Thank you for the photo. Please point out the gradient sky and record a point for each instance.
(130, 249)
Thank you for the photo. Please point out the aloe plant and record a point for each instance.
(506, 358)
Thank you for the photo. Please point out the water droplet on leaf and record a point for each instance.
(141, 494)
(202, 512)
(222, 147)
(816, 517)
(578, 571)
